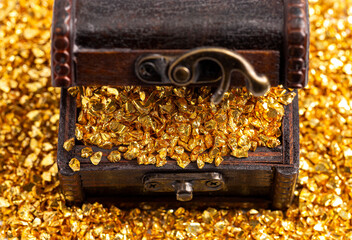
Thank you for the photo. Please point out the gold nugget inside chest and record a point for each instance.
(151, 124)
(168, 101)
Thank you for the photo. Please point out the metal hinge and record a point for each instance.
(183, 184)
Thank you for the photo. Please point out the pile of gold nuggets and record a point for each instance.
(32, 207)
(149, 124)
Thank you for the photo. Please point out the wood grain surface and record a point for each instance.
(175, 24)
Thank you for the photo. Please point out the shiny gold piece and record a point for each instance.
(218, 160)
(114, 156)
(239, 153)
(122, 149)
(179, 150)
(200, 163)
(86, 152)
(69, 144)
(75, 164)
(151, 159)
(79, 132)
(117, 127)
(48, 160)
(132, 151)
(33, 208)
(161, 159)
(96, 158)
(73, 91)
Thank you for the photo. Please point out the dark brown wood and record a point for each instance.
(261, 155)
(199, 204)
(71, 188)
(116, 68)
(61, 44)
(175, 24)
(283, 187)
(107, 26)
(70, 182)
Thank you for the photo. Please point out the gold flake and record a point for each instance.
(218, 160)
(86, 152)
(287, 98)
(4, 203)
(239, 153)
(160, 161)
(142, 159)
(96, 158)
(122, 149)
(151, 159)
(179, 150)
(75, 164)
(69, 144)
(131, 153)
(243, 141)
(30, 160)
(183, 160)
(117, 127)
(200, 163)
(114, 156)
(48, 160)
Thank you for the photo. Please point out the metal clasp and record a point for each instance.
(200, 66)
(183, 184)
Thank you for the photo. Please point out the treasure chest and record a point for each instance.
(211, 47)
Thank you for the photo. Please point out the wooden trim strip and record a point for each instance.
(116, 67)
(61, 44)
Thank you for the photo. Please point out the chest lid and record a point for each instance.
(97, 42)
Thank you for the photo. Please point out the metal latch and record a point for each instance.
(200, 66)
(183, 184)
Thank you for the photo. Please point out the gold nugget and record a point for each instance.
(96, 158)
(69, 144)
(86, 152)
(114, 156)
(74, 164)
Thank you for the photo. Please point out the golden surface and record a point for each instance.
(32, 208)
(181, 123)
(96, 157)
(114, 156)
(69, 144)
(86, 152)
(74, 164)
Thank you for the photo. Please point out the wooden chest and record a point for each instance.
(172, 42)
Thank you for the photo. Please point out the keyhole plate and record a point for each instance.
(175, 182)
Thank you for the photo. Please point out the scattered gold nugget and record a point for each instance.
(218, 160)
(69, 144)
(75, 164)
(86, 152)
(114, 156)
(200, 163)
(73, 91)
(96, 158)
(239, 153)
